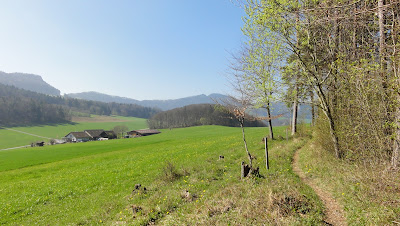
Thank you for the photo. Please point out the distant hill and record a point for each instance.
(161, 104)
(30, 82)
(20, 107)
(277, 108)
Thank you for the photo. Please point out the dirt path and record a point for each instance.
(14, 148)
(333, 211)
(18, 131)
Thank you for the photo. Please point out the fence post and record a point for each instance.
(266, 153)
(287, 138)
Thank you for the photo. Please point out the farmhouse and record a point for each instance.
(95, 134)
(77, 137)
(143, 132)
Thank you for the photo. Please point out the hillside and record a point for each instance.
(196, 115)
(30, 82)
(22, 107)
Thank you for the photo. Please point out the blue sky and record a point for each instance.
(142, 49)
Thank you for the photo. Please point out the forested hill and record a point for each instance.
(161, 104)
(22, 107)
(196, 115)
(28, 82)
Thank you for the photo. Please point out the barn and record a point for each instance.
(95, 134)
(143, 132)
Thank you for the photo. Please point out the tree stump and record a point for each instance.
(245, 170)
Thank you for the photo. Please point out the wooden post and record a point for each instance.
(287, 138)
(242, 170)
(266, 154)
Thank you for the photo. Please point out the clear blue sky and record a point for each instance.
(142, 49)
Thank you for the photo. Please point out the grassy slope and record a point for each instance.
(370, 195)
(91, 183)
(10, 139)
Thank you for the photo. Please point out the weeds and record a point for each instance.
(170, 173)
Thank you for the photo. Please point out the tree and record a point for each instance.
(237, 107)
(347, 52)
(253, 75)
(120, 130)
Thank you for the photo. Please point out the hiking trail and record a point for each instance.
(334, 213)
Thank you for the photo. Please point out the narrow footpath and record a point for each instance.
(333, 211)
(18, 131)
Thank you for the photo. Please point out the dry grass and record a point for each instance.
(369, 193)
(279, 198)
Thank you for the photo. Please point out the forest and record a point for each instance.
(22, 107)
(196, 115)
(342, 57)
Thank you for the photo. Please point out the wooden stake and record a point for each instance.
(266, 154)
(287, 138)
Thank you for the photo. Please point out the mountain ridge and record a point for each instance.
(29, 82)
(161, 104)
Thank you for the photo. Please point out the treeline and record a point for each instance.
(196, 115)
(18, 106)
(342, 57)
(25, 111)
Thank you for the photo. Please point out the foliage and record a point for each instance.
(195, 115)
(345, 52)
(120, 130)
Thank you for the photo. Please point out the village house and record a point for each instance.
(87, 135)
(77, 137)
(143, 132)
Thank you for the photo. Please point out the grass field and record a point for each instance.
(92, 183)
(9, 139)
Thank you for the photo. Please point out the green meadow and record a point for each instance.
(186, 183)
(9, 139)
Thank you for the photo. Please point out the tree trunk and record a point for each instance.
(271, 132)
(327, 111)
(312, 108)
(295, 107)
(334, 137)
(395, 162)
(245, 145)
(396, 145)
(381, 31)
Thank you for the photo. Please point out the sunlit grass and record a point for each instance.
(9, 139)
(92, 183)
